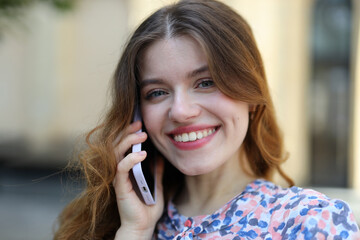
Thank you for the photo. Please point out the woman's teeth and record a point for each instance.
(193, 136)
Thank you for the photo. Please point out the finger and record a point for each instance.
(121, 181)
(127, 142)
(130, 160)
(133, 127)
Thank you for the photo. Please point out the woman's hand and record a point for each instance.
(137, 219)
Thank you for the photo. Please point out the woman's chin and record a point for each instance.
(195, 171)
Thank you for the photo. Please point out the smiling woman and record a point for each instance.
(185, 102)
(209, 122)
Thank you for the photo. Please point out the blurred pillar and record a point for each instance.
(355, 146)
(281, 28)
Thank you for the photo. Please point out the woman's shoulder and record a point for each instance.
(296, 195)
(304, 201)
(305, 210)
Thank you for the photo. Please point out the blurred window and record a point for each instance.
(329, 92)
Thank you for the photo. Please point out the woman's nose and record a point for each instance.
(183, 108)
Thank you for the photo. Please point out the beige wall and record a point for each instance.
(281, 29)
(55, 71)
(55, 68)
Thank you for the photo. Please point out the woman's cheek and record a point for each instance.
(152, 118)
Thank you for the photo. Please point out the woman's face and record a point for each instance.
(191, 122)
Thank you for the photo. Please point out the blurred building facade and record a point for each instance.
(55, 70)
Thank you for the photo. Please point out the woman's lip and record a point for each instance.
(192, 145)
(191, 128)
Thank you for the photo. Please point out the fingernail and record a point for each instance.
(141, 134)
(142, 153)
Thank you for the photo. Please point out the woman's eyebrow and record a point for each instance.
(191, 74)
(198, 71)
(150, 81)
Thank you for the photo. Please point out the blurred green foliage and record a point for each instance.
(11, 5)
(11, 11)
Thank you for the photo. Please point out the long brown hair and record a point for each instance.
(232, 54)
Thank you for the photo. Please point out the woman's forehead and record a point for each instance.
(177, 54)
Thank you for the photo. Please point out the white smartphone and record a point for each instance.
(144, 178)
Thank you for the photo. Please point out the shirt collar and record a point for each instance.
(236, 210)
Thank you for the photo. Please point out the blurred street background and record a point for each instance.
(57, 58)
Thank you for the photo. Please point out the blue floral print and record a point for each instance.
(265, 211)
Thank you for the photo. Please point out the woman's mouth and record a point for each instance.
(193, 136)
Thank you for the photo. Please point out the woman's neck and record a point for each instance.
(204, 194)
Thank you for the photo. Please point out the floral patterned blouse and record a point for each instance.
(265, 211)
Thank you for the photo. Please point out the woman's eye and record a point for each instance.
(208, 83)
(155, 94)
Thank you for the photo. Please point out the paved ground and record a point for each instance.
(30, 201)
